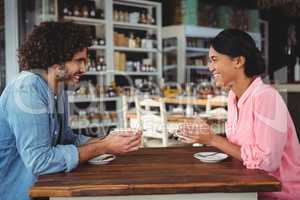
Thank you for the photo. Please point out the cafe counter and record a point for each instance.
(157, 173)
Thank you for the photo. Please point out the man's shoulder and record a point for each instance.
(26, 80)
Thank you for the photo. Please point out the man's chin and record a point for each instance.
(72, 85)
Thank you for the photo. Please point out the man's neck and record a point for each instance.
(52, 82)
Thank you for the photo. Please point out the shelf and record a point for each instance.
(85, 21)
(96, 73)
(135, 49)
(169, 67)
(97, 47)
(200, 67)
(137, 4)
(137, 73)
(91, 99)
(169, 49)
(95, 125)
(134, 26)
(206, 50)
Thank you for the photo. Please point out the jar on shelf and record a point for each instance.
(73, 120)
(76, 11)
(149, 18)
(66, 10)
(93, 118)
(101, 41)
(149, 41)
(99, 14)
(126, 16)
(92, 9)
(131, 41)
(143, 18)
(85, 11)
(82, 118)
(121, 16)
(116, 15)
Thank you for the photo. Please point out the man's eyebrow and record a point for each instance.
(79, 59)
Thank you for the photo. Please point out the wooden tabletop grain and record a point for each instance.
(155, 171)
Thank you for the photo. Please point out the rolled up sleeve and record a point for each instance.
(270, 129)
(71, 156)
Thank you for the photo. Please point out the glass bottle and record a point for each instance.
(85, 11)
(297, 70)
(76, 11)
(92, 10)
(66, 10)
(143, 18)
(131, 42)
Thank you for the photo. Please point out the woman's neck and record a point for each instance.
(241, 85)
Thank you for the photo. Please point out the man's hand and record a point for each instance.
(122, 143)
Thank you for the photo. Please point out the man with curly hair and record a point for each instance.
(35, 138)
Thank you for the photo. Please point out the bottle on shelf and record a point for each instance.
(126, 16)
(121, 16)
(131, 41)
(149, 18)
(66, 9)
(143, 18)
(297, 70)
(101, 41)
(99, 14)
(116, 15)
(92, 9)
(76, 11)
(85, 11)
(149, 41)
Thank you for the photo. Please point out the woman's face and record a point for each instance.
(222, 67)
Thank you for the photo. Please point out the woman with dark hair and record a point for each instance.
(35, 138)
(259, 129)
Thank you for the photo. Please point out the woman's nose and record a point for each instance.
(210, 67)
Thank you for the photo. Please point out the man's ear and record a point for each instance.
(56, 66)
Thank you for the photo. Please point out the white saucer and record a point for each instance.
(102, 159)
(210, 157)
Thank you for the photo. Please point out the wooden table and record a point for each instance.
(162, 172)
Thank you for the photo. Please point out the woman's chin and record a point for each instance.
(219, 83)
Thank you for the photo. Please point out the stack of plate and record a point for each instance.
(102, 159)
(210, 157)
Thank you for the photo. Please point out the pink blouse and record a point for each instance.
(261, 124)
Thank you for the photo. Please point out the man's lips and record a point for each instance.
(77, 77)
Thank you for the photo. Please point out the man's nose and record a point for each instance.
(83, 67)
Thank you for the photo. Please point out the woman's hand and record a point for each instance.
(197, 132)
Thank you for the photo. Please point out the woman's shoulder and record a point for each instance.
(265, 92)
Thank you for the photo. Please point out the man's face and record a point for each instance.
(75, 68)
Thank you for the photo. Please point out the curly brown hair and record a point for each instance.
(53, 43)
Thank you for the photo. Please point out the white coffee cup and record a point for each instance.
(126, 131)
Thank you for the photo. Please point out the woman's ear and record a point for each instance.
(239, 62)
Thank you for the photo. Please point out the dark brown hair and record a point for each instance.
(53, 43)
(234, 43)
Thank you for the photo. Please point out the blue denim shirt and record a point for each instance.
(28, 136)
